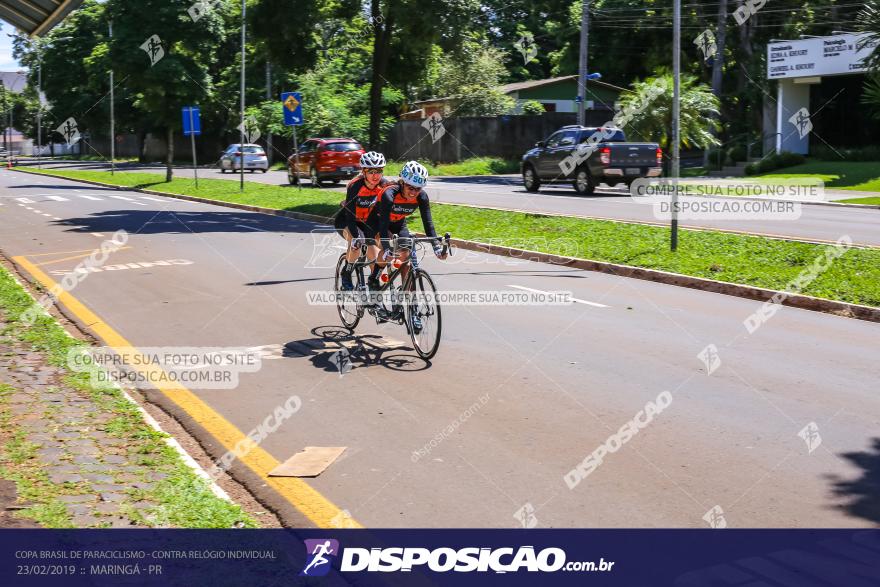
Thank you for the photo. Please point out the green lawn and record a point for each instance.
(875, 200)
(854, 277)
(185, 500)
(843, 175)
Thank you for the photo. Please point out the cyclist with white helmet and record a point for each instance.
(397, 202)
(362, 194)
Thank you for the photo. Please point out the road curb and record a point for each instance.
(794, 300)
(844, 309)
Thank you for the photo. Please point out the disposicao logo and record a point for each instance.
(319, 555)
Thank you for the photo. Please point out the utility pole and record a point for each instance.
(676, 115)
(582, 63)
(40, 108)
(268, 97)
(243, 37)
(112, 113)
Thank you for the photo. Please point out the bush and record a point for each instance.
(771, 162)
(737, 153)
(533, 107)
(716, 159)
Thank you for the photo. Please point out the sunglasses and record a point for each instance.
(373, 171)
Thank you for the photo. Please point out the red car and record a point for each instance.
(325, 160)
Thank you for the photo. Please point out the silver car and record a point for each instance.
(254, 158)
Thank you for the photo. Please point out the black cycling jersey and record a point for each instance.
(394, 208)
(360, 202)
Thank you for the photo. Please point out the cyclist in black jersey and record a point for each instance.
(397, 203)
(361, 197)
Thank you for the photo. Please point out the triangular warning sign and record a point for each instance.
(291, 103)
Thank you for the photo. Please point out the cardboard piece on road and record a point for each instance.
(311, 462)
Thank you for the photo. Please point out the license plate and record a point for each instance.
(633, 170)
(347, 169)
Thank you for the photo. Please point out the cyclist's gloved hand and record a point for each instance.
(386, 254)
(438, 250)
(356, 243)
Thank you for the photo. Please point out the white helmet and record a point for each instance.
(372, 160)
(414, 174)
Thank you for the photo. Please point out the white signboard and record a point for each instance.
(819, 56)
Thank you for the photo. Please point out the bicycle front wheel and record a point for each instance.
(423, 319)
(350, 311)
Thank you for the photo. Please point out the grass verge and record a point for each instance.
(854, 277)
(844, 175)
(183, 499)
(874, 200)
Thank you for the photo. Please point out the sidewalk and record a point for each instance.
(82, 457)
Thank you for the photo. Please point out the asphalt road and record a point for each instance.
(811, 222)
(516, 396)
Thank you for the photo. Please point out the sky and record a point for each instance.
(7, 63)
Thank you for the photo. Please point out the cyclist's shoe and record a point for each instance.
(416, 324)
(381, 316)
(345, 282)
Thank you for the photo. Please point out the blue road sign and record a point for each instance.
(192, 122)
(293, 114)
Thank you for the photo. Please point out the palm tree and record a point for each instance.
(653, 121)
(869, 22)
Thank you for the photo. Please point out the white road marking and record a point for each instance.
(128, 200)
(252, 228)
(58, 198)
(154, 199)
(90, 197)
(96, 234)
(55, 218)
(576, 300)
(25, 200)
(45, 214)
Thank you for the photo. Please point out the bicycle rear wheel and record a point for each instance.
(423, 318)
(350, 312)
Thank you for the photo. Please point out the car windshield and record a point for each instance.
(254, 150)
(616, 135)
(342, 147)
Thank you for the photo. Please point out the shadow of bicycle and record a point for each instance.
(337, 349)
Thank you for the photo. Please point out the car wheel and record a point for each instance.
(583, 183)
(291, 178)
(264, 170)
(222, 170)
(313, 177)
(530, 179)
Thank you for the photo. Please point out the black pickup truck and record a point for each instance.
(565, 157)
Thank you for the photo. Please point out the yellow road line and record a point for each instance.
(80, 256)
(317, 508)
(56, 253)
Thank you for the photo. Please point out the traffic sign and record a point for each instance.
(192, 122)
(293, 115)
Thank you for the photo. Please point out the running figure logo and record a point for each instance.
(154, 50)
(69, 130)
(802, 122)
(319, 555)
(707, 44)
(434, 125)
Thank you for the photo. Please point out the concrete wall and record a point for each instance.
(793, 99)
(484, 136)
